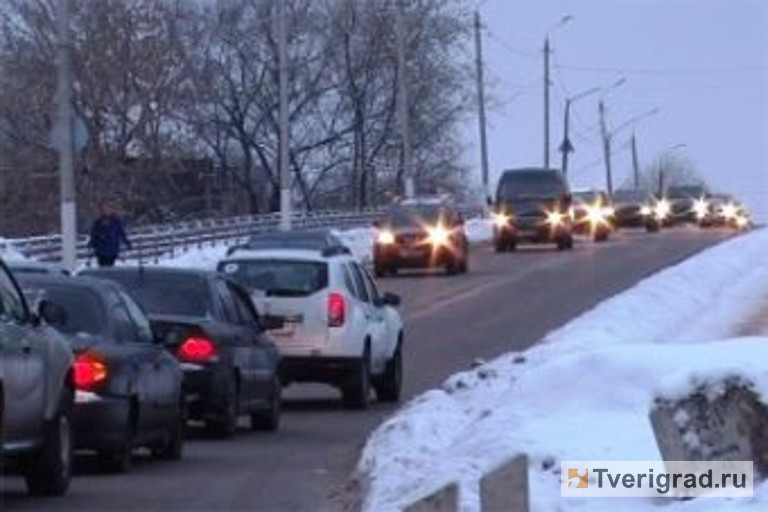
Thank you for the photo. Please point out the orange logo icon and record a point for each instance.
(575, 476)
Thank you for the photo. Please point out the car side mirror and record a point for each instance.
(389, 299)
(271, 323)
(51, 313)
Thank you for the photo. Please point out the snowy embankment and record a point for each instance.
(584, 393)
(9, 252)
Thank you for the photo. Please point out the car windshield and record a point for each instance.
(630, 196)
(685, 192)
(519, 184)
(278, 277)
(83, 309)
(415, 216)
(165, 293)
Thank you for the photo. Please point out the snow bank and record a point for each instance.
(479, 230)
(583, 394)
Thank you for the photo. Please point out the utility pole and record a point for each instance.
(64, 140)
(606, 149)
(566, 147)
(546, 102)
(402, 104)
(635, 162)
(283, 158)
(481, 105)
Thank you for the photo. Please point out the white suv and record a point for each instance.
(337, 328)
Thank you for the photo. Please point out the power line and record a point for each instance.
(667, 71)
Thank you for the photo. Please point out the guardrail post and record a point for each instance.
(445, 499)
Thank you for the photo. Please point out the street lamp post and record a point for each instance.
(547, 50)
(605, 135)
(662, 165)
(566, 147)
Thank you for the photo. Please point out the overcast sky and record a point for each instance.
(704, 63)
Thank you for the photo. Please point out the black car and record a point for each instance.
(420, 235)
(128, 387)
(638, 208)
(36, 394)
(532, 205)
(230, 366)
(688, 203)
(593, 215)
(314, 240)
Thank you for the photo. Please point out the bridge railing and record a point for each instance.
(155, 242)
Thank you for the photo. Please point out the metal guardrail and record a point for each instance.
(155, 242)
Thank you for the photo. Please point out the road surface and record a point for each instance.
(507, 302)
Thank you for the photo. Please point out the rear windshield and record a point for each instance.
(407, 216)
(310, 241)
(166, 294)
(278, 277)
(530, 183)
(84, 311)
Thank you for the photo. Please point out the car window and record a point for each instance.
(373, 290)
(123, 327)
(357, 275)
(12, 307)
(84, 311)
(349, 282)
(245, 312)
(227, 302)
(278, 277)
(138, 317)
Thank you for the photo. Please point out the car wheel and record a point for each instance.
(356, 394)
(651, 228)
(269, 419)
(601, 236)
(565, 243)
(49, 471)
(225, 425)
(512, 245)
(464, 266)
(499, 244)
(172, 446)
(390, 385)
(118, 459)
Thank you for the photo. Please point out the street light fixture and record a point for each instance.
(565, 19)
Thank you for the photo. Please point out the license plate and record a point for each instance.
(286, 331)
(410, 253)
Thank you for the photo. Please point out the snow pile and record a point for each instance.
(9, 252)
(585, 393)
(360, 242)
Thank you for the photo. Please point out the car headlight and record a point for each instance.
(609, 211)
(555, 219)
(501, 220)
(730, 211)
(701, 208)
(645, 210)
(595, 215)
(662, 208)
(438, 235)
(742, 221)
(385, 238)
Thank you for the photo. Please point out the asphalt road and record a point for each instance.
(507, 302)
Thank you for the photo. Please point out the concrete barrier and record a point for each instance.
(445, 499)
(505, 489)
(722, 421)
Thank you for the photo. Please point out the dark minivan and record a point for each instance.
(532, 205)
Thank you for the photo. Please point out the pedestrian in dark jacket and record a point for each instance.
(107, 236)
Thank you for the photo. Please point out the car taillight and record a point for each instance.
(197, 350)
(337, 309)
(90, 370)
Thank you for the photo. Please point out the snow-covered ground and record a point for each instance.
(584, 393)
(9, 252)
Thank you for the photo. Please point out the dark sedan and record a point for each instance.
(593, 215)
(688, 203)
(420, 235)
(230, 366)
(638, 208)
(127, 386)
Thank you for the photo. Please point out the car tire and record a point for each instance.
(225, 425)
(652, 228)
(601, 236)
(119, 459)
(512, 245)
(389, 386)
(464, 266)
(356, 393)
(565, 243)
(269, 419)
(172, 447)
(500, 245)
(49, 471)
